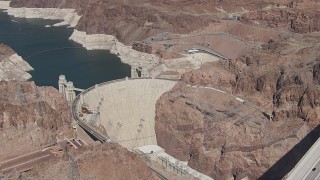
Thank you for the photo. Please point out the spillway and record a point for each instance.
(127, 108)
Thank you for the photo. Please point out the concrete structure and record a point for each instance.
(70, 94)
(144, 72)
(181, 168)
(208, 51)
(62, 82)
(67, 88)
(308, 168)
(127, 111)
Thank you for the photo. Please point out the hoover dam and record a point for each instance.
(124, 108)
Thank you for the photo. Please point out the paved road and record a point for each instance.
(247, 103)
(308, 168)
(26, 162)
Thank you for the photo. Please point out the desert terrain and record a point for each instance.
(266, 53)
(33, 119)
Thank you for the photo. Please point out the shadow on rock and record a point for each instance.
(289, 160)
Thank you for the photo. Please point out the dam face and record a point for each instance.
(127, 109)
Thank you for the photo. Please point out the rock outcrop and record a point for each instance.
(227, 139)
(30, 118)
(108, 42)
(99, 162)
(298, 16)
(69, 16)
(12, 66)
(127, 22)
(217, 134)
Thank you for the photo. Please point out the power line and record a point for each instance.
(49, 50)
(133, 139)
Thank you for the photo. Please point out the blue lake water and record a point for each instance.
(51, 54)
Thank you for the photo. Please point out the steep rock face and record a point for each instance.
(30, 117)
(297, 20)
(224, 139)
(127, 23)
(100, 162)
(142, 47)
(220, 136)
(12, 66)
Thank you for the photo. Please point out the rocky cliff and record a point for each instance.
(297, 21)
(225, 138)
(12, 66)
(139, 19)
(217, 134)
(98, 162)
(30, 117)
(127, 22)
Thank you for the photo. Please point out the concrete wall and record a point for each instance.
(128, 109)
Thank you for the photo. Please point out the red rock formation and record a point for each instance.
(296, 20)
(225, 139)
(142, 47)
(99, 162)
(30, 117)
(128, 23)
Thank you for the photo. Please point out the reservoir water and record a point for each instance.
(51, 54)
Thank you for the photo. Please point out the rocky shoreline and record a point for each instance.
(109, 42)
(127, 54)
(69, 16)
(14, 68)
(90, 42)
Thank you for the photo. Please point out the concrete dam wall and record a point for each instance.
(127, 109)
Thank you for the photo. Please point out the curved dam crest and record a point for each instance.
(126, 109)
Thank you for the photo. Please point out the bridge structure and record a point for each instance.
(308, 168)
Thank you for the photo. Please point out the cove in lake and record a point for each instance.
(51, 53)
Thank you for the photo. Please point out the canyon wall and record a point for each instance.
(89, 41)
(31, 118)
(98, 162)
(225, 139)
(69, 16)
(12, 66)
(108, 42)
